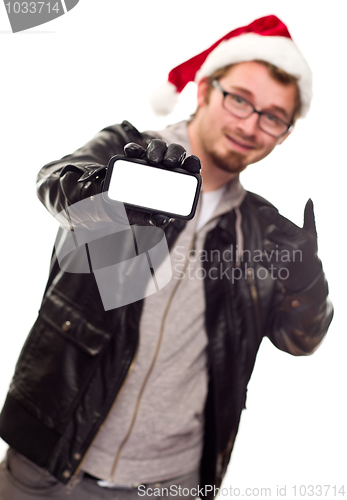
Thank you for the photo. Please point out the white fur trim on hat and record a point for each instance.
(164, 99)
(277, 50)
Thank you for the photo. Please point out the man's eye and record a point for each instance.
(237, 99)
(272, 118)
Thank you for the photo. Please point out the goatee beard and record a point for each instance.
(233, 163)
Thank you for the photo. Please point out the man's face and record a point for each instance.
(233, 143)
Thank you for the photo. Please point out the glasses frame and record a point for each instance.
(289, 126)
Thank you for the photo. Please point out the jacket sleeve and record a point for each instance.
(295, 322)
(80, 175)
(298, 322)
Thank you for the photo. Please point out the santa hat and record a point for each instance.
(266, 39)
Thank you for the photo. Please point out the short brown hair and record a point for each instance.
(277, 74)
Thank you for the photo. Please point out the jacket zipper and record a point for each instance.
(161, 333)
(75, 479)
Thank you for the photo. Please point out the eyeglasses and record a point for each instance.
(241, 108)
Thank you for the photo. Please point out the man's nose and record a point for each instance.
(249, 126)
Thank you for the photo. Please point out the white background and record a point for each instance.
(63, 81)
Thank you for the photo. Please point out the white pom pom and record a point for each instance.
(164, 99)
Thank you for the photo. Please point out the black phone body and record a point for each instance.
(153, 189)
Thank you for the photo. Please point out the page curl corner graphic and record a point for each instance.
(128, 262)
(24, 15)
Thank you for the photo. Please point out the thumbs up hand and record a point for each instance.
(291, 248)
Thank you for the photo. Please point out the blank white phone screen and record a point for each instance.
(152, 187)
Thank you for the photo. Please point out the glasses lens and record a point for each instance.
(237, 106)
(272, 125)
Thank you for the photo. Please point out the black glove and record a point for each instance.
(157, 153)
(291, 251)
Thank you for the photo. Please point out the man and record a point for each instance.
(151, 393)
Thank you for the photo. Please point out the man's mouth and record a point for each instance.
(240, 145)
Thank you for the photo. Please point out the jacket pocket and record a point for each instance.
(26, 478)
(58, 359)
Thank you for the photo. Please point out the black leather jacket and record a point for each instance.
(77, 356)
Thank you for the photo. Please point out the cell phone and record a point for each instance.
(154, 189)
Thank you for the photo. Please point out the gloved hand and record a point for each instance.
(291, 251)
(157, 153)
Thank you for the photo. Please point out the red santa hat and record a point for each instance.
(266, 39)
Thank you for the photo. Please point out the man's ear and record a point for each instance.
(203, 86)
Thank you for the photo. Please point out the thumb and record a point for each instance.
(133, 150)
(309, 220)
